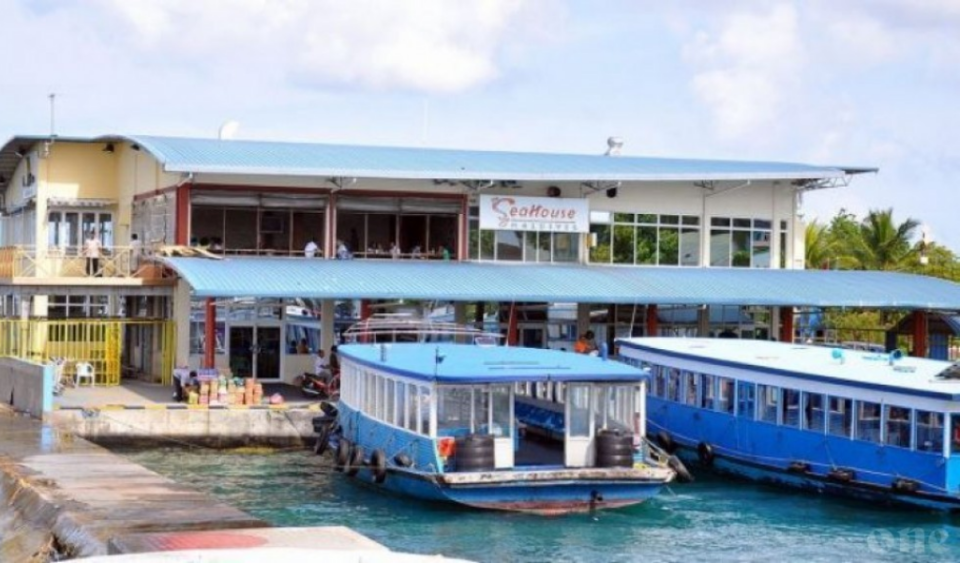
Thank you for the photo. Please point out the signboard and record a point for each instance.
(547, 214)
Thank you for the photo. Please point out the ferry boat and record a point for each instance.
(859, 423)
(493, 427)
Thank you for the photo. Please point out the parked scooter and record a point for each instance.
(319, 387)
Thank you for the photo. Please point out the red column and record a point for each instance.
(652, 320)
(920, 334)
(182, 230)
(786, 324)
(210, 346)
(512, 329)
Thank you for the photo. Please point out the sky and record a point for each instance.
(866, 83)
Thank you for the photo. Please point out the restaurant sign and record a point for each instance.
(548, 214)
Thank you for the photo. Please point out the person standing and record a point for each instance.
(394, 251)
(91, 249)
(310, 251)
(136, 248)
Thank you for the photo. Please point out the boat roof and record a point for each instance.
(471, 364)
(864, 369)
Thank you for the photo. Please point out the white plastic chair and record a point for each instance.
(85, 371)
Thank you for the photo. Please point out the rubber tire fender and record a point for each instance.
(378, 466)
(665, 441)
(356, 461)
(683, 474)
(705, 453)
(323, 440)
(343, 455)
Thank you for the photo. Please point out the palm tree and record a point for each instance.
(819, 246)
(883, 244)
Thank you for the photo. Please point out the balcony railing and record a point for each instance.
(28, 261)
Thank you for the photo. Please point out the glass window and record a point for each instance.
(623, 244)
(690, 382)
(423, 407)
(500, 401)
(725, 395)
(719, 248)
(673, 385)
(898, 422)
(868, 421)
(690, 247)
(565, 247)
(579, 397)
(813, 412)
(481, 411)
(389, 400)
(659, 384)
(706, 391)
(509, 248)
(669, 247)
(929, 437)
(955, 434)
(769, 399)
(791, 408)
(410, 406)
(453, 411)
(746, 399)
(840, 417)
(646, 245)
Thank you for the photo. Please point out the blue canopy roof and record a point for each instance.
(474, 281)
(196, 155)
(468, 364)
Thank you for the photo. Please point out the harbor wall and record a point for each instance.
(210, 427)
(27, 386)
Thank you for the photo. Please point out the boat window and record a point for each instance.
(868, 421)
(425, 404)
(579, 401)
(813, 412)
(559, 392)
(768, 398)
(453, 411)
(746, 400)
(955, 434)
(673, 385)
(413, 400)
(929, 436)
(725, 395)
(389, 400)
(480, 421)
(368, 391)
(658, 383)
(840, 420)
(500, 401)
(690, 382)
(898, 426)
(706, 391)
(401, 404)
(615, 407)
(791, 408)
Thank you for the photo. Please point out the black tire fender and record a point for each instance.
(323, 440)
(378, 466)
(356, 461)
(705, 453)
(343, 455)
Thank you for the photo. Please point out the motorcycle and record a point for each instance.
(320, 387)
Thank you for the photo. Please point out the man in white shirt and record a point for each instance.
(91, 249)
(136, 248)
(311, 249)
(321, 365)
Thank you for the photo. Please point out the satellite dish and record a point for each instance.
(228, 130)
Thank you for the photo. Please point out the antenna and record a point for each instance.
(228, 130)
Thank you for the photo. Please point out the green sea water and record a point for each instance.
(714, 519)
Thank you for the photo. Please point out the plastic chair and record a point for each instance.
(85, 371)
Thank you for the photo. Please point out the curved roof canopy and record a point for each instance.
(215, 156)
(471, 281)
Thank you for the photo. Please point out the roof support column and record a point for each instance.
(786, 324)
(181, 316)
(479, 313)
(210, 335)
(327, 313)
(919, 334)
(512, 329)
(182, 231)
(703, 321)
(583, 318)
(652, 321)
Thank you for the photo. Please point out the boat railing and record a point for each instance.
(397, 328)
(654, 453)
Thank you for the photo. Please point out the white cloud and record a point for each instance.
(424, 45)
(745, 69)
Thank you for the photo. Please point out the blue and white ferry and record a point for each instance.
(494, 427)
(859, 423)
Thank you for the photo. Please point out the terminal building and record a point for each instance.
(141, 253)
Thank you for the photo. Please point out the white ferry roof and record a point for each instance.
(469, 364)
(913, 376)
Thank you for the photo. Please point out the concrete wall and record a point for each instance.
(212, 427)
(27, 386)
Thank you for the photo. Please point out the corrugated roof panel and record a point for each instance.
(470, 281)
(315, 159)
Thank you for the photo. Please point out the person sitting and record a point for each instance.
(321, 366)
(302, 347)
(342, 252)
(310, 250)
(585, 344)
(394, 251)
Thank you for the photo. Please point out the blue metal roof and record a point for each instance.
(179, 154)
(867, 370)
(473, 281)
(464, 363)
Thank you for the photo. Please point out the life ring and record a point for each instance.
(705, 453)
(665, 441)
(378, 466)
(356, 461)
(343, 455)
(323, 440)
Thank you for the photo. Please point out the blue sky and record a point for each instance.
(859, 82)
